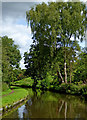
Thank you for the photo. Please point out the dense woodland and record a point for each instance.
(55, 56)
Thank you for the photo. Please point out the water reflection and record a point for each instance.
(51, 105)
(29, 102)
(21, 111)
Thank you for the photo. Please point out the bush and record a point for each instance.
(79, 83)
(68, 88)
(83, 90)
(62, 88)
(45, 83)
(38, 84)
(4, 86)
(75, 89)
(49, 78)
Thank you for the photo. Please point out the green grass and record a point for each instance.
(6, 92)
(14, 97)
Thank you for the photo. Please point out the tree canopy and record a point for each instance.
(10, 58)
(53, 26)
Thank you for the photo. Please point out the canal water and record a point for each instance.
(50, 105)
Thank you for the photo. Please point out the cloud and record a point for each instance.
(21, 34)
(42, 1)
(14, 25)
(15, 10)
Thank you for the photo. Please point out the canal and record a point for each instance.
(50, 105)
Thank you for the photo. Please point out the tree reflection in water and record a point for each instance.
(52, 105)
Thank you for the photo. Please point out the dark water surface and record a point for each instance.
(50, 105)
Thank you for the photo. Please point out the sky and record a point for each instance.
(13, 23)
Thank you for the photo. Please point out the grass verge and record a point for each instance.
(14, 97)
(6, 92)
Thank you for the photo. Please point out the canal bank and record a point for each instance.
(12, 97)
(25, 92)
(50, 105)
(66, 88)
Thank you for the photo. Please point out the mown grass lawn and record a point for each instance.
(9, 99)
(6, 92)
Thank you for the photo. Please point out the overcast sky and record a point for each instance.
(14, 24)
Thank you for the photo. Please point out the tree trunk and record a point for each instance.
(58, 72)
(65, 63)
(65, 72)
(70, 76)
(70, 72)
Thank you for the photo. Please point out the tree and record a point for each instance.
(10, 58)
(72, 55)
(54, 24)
(81, 67)
(36, 62)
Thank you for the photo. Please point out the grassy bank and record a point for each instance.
(6, 92)
(9, 98)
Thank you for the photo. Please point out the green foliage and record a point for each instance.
(72, 89)
(53, 25)
(10, 59)
(81, 67)
(45, 83)
(38, 92)
(5, 87)
(38, 84)
(26, 82)
(18, 74)
(48, 80)
(84, 90)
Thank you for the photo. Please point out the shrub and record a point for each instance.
(45, 83)
(62, 88)
(49, 78)
(74, 89)
(4, 86)
(70, 88)
(83, 90)
(38, 84)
